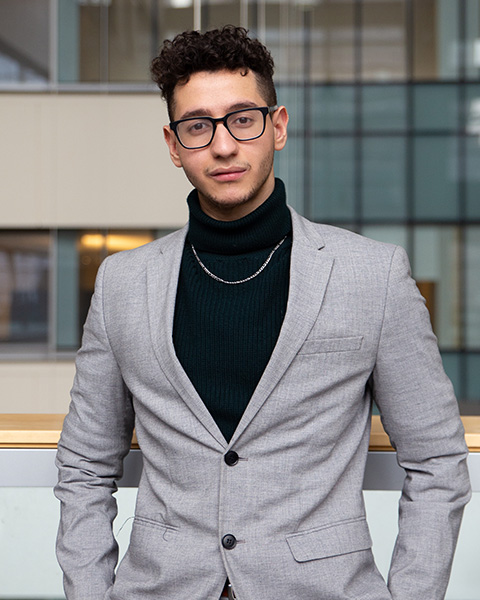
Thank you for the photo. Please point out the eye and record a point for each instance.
(198, 127)
(243, 120)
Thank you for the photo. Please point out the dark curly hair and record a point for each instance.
(227, 48)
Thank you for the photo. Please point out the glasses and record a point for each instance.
(243, 125)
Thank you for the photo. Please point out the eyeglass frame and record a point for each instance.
(265, 110)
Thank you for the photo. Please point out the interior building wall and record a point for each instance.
(87, 160)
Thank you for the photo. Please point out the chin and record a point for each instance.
(233, 201)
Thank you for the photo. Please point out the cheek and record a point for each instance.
(193, 170)
(191, 161)
(265, 158)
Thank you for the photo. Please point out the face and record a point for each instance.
(232, 178)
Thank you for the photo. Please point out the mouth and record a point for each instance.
(228, 174)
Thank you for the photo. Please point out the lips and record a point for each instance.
(226, 175)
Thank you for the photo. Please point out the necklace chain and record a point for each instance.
(213, 276)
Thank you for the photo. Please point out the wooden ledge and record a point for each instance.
(379, 439)
(43, 431)
(30, 430)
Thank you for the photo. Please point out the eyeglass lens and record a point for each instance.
(243, 125)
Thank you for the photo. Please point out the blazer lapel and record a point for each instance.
(162, 277)
(309, 274)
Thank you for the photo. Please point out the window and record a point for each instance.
(25, 266)
(24, 41)
(46, 283)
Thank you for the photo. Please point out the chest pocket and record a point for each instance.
(341, 344)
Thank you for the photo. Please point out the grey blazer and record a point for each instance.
(356, 329)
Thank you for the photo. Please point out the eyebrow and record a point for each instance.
(205, 112)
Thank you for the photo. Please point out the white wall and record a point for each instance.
(35, 386)
(87, 160)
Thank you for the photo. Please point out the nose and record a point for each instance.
(223, 143)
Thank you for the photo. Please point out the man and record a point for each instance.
(247, 349)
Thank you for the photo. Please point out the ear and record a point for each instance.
(280, 122)
(172, 144)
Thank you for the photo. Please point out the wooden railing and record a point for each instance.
(43, 431)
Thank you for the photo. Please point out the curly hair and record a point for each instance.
(228, 48)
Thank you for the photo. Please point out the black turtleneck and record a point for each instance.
(224, 334)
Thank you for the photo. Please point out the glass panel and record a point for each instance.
(473, 381)
(383, 40)
(333, 179)
(436, 49)
(333, 108)
(472, 127)
(448, 45)
(68, 60)
(290, 166)
(435, 107)
(384, 108)
(472, 109)
(28, 540)
(309, 44)
(390, 234)
(436, 177)
(24, 41)
(281, 27)
(137, 29)
(292, 96)
(171, 17)
(92, 50)
(473, 177)
(436, 270)
(277, 35)
(452, 365)
(28, 544)
(425, 39)
(115, 41)
(383, 178)
(472, 23)
(131, 43)
(220, 12)
(68, 327)
(472, 287)
(24, 287)
(93, 247)
(333, 41)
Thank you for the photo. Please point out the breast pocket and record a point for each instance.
(323, 345)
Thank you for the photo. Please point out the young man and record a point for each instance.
(247, 349)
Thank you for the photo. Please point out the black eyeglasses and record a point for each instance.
(243, 125)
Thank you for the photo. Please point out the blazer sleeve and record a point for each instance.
(420, 414)
(96, 436)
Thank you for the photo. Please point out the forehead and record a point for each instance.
(213, 93)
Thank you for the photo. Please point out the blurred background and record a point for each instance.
(384, 139)
(384, 98)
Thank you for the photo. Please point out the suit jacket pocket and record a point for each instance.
(168, 531)
(341, 344)
(330, 540)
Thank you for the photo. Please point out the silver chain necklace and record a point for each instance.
(213, 276)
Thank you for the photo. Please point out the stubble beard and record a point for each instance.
(225, 204)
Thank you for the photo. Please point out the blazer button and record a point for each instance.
(231, 458)
(229, 541)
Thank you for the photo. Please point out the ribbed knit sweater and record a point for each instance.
(224, 334)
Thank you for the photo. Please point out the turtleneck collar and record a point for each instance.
(262, 228)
